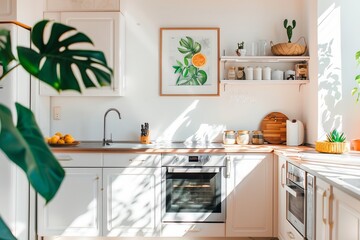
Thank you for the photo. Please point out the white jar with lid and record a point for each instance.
(277, 75)
(266, 73)
(249, 73)
(243, 137)
(257, 73)
(229, 137)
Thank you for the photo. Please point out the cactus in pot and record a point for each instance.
(289, 28)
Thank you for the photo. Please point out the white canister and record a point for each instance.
(266, 73)
(257, 73)
(277, 75)
(290, 75)
(249, 73)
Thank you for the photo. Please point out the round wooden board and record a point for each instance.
(273, 127)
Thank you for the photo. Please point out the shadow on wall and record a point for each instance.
(330, 79)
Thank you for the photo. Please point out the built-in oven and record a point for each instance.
(193, 188)
(296, 198)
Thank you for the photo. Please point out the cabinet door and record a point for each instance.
(7, 10)
(323, 192)
(76, 208)
(132, 202)
(107, 31)
(345, 216)
(250, 196)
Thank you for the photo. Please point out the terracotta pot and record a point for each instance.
(355, 144)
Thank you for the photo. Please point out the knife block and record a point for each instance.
(145, 139)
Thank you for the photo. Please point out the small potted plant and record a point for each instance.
(240, 51)
(335, 143)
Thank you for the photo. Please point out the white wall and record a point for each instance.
(338, 41)
(178, 118)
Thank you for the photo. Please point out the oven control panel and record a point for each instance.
(296, 175)
(193, 160)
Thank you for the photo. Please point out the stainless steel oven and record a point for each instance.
(193, 188)
(296, 198)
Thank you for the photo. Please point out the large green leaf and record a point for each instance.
(6, 55)
(5, 233)
(53, 61)
(26, 147)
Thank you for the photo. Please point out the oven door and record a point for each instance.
(295, 206)
(193, 194)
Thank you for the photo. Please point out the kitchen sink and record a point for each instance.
(129, 145)
(173, 145)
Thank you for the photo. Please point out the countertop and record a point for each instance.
(332, 168)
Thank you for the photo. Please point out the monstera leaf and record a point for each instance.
(6, 55)
(53, 60)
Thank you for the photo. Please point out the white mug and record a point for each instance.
(290, 75)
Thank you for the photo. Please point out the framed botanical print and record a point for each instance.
(189, 61)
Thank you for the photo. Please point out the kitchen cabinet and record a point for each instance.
(345, 216)
(250, 195)
(132, 202)
(82, 5)
(323, 197)
(120, 196)
(76, 210)
(107, 31)
(8, 10)
(275, 62)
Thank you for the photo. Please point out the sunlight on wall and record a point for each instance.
(330, 66)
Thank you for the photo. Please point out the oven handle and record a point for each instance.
(293, 192)
(193, 170)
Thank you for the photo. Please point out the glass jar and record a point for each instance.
(257, 137)
(229, 137)
(243, 137)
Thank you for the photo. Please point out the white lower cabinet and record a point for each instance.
(76, 210)
(323, 196)
(190, 230)
(132, 202)
(119, 196)
(250, 195)
(345, 216)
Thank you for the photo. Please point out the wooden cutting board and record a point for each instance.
(273, 127)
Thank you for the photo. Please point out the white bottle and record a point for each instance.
(266, 73)
(257, 73)
(277, 75)
(249, 73)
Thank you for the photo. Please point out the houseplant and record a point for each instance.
(335, 143)
(240, 51)
(289, 48)
(51, 62)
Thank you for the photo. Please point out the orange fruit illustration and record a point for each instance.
(198, 60)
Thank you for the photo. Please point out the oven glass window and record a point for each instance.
(193, 192)
(297, 206)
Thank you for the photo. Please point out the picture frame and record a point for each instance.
(189, 61)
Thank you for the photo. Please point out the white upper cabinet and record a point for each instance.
(7, 10)
(107, 31)
(82, 5)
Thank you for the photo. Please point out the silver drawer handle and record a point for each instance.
(193, 230)
(64, 158)
(137, 160)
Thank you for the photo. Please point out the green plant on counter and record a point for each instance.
(289, 28)
(51, 62)
(335, 136)
(355, 90)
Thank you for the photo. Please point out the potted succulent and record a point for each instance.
(289, 48)
(335, 143)
(240, 51)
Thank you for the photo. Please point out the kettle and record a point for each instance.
(294, 132)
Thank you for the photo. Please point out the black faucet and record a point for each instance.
(108, 141)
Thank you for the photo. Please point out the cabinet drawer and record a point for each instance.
(79, 159)
(131, 160)
(193, 230)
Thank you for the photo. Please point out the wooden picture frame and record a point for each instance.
(189, 61)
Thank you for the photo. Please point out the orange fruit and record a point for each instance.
(198, 60)
(54, 139)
